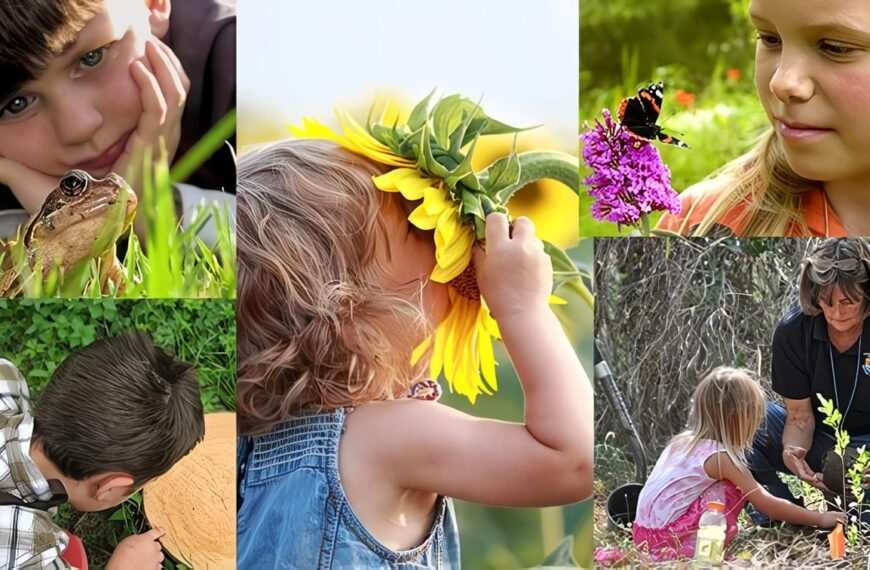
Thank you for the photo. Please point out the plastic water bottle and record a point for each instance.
(710, 542)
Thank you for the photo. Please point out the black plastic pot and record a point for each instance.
(622, 505)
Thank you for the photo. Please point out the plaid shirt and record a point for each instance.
(29, 538)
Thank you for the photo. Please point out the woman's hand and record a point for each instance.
(794, 458)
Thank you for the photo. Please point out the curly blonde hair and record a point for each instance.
(316, 329)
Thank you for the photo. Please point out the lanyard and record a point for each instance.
(834, 376)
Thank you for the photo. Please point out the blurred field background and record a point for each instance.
(703, 50)
(668, 311)
(302, 60)
(38, 335)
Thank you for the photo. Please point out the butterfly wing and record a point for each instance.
(639, 115)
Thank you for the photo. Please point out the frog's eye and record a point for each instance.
(73, 183)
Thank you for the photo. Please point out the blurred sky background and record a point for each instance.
(303, 58)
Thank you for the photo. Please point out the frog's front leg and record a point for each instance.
(111, 272)
(8, 274)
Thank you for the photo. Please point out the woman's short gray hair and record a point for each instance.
(838, 262)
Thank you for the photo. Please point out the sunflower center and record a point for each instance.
(466, 283)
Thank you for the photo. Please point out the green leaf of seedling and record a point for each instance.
(502, 173)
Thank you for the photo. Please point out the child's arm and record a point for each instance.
(720, 466)
(545, 461)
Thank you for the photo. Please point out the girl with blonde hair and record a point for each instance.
(346, 460)
(809, 174)
(708, 463)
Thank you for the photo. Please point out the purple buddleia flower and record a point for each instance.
(629, 179)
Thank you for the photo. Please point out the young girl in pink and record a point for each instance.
(708, 463)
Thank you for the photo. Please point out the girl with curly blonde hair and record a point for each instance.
(346, 459)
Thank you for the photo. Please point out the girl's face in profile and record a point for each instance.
(813, 79)
(411, 259)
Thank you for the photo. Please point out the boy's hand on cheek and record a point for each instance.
(513, 272)
(163, 87)
(137, 552)
(29, 186)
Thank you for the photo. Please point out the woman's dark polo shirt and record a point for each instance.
(801, 368)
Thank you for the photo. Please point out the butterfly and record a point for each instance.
(639, 115)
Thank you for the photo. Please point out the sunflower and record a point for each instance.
(463, 341)
(430, 152)
(453, 239)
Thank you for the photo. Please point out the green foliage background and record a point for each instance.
(690, 45)
(37, 335)
(495, 537)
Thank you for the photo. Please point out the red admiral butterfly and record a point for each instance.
(639, 115)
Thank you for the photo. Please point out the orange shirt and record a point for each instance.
(820, 218)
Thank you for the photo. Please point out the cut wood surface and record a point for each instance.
(195, 502)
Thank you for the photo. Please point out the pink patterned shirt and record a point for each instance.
(676, 481)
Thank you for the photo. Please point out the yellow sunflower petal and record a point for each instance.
(487, 356)
(405, 180)
(420, 350)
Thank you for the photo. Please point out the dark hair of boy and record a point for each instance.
(120, 404)
(34, 31)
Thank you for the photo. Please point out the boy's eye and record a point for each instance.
(768, 40)
(16, 105)
(93, 58)
(832, 48)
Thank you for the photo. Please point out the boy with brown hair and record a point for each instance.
(90, 84)
(113, 416)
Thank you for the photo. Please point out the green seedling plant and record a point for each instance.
(853, 474)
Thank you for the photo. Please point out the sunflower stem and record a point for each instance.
(537, 165)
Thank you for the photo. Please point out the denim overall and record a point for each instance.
(293, 512)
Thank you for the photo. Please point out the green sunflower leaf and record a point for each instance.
(446, 117)
(420, 113)
(502, 173)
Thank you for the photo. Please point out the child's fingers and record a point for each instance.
(154, 533)
(522, 228)
(176, 63)
(168, 80)
(153, 103)
(497, 228)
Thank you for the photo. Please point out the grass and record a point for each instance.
(783, 545)
(38, 334)
(172, 262)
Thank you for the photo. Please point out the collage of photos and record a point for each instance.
(722, 178)
(391, 285)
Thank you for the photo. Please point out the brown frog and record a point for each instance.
(81, 219)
